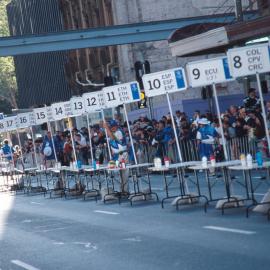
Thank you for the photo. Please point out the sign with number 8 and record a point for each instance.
(249, 60)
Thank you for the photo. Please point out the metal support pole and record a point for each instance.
(11, 154)
(130, 134)
(263, 109)
(90, 138)
(73, 145)
(35, 150)
(107, 138)
(174, 128)
(239, 10)
(220, 122)
(50, 129)
(20, 144)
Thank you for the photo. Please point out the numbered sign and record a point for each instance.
(61, 110)
(77, 106)
(41, 115)
(206, 72)
(25, 120)
(121, 94)
(2, 126)
(10, 123)
(163, 82)
(93, 101)
(249, 60)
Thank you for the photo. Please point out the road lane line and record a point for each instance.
(258, 194)
(106, 212)
(24, 265)
(223, 229)
(37, 203)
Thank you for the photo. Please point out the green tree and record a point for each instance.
(8, 84)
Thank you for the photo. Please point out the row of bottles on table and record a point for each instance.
(117, 164)
(248, 160)
(158, 162)
(245, 160)
(205, 160)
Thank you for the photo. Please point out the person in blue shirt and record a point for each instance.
(47, 150)
(118, 146)
(118, 142)
(7, 151)
(168, 139)
(206, 135)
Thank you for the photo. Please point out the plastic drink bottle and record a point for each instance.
(94, 165)
(213, 160)
(249, 160)
(243, 160)
(204, 162)
(259, 158)
(166, 162)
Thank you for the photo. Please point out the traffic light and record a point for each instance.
(140, 70)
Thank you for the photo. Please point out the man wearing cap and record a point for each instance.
(251, 101)
(118, 146)
(206, 135)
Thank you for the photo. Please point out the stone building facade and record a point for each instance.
(158, 53)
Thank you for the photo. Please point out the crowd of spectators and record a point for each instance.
(154, 138)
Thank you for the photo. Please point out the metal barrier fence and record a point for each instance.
(189, 149)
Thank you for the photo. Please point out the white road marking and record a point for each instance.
(106, 212)
(135, 239)
(58, 243)
(54, 229)
(86, 245)
(27, 221)
(24, 265)
(259, 194)
(37, 203)
(223, 229)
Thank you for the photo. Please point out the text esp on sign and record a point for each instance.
(207, 72)
(168, 81)
(249, 60)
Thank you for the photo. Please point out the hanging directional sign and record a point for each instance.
(77, 106)
(10, 123)
(93, 101)
(41, 115)
(61, 110)
(168, 81)
(249, 60)
(121, 94)
(208, 71)
(25, 120)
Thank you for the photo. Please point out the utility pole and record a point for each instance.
(239, 10)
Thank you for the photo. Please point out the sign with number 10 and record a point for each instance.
(168, 81)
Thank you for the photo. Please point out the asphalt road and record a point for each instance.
(42, 233)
